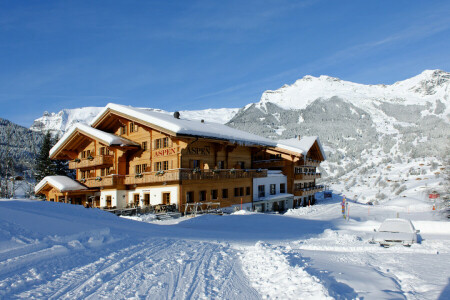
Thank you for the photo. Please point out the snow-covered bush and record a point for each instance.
(400, 190)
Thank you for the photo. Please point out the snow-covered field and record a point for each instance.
(53, 250)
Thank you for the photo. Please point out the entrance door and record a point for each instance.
(166, 198)
(136, 200)
(146, 199)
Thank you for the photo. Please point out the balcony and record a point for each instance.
(189, 174)
(306, 176)
(192, 174)
(99, 160)
(269, 163)
(308, 191)
(153, 177)
(312, 162)
(104, 181)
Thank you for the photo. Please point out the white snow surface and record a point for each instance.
(107, 138)
(54, 250)
(188, 127)
(62, 183)
(301, 146)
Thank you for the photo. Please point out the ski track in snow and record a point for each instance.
(153, 269)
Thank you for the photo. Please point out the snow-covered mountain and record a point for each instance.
(361, 126)
(58, 123)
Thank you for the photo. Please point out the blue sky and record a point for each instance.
(179, 55)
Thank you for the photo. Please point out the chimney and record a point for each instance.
(176, 115)
(299, 137)
(203, 121)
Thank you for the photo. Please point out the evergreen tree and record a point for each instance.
(61, 167)
(44, 165)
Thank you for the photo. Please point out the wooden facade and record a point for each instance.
(162, 167)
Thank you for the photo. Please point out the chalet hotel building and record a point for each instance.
(136, 157)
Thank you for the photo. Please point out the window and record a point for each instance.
(102, 172)
(195, 163)
(138, 169)
(162, 143)
(224, 193)
(102, 150)
(166, 198)
(236, 192)
(273, 189)
(282, 188)
(202, 196)
(88, 153)
(165, 142)
(123, 129)
(247, 192)
(241, 191)
(241, 164)
(108, 201)
(162, 165)
(221, 164)
(133, 127)
(261, 191)
(214, 194)
(83, 154)
(190, 197)
(144, 146)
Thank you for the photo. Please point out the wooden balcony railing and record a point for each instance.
(311, 162)
(104, 181)
(153, 177)
(192, 174)
(308, 191)
(189, 174)
(306, 176)
(99, 160)
(269, 163)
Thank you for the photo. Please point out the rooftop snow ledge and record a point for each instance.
(62, 183)
(105, 137)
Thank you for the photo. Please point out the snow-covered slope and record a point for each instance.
(360, 126)
(59, 123)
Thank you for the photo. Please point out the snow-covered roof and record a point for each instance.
(301, 146)
(104, 137)
(62, 183)
(185, 127)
